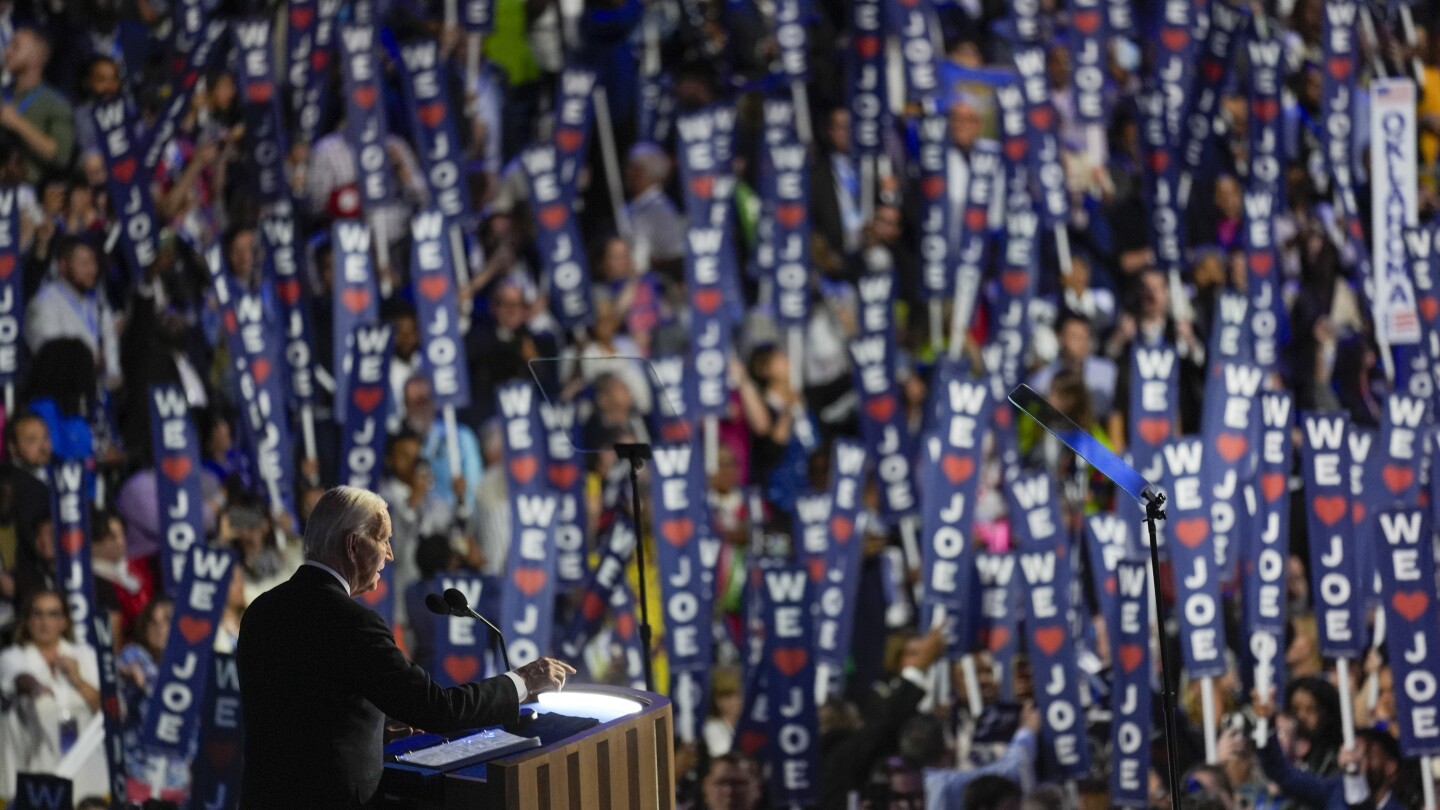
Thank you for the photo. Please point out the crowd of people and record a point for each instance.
(97, 334)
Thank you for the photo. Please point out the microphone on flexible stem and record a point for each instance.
(454, 603)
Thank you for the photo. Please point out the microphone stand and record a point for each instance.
(1155, 510)
(636, 453)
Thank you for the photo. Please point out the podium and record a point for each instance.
(624, 762)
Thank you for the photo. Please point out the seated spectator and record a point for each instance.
(732, 783)
(615, 414)
(26, 473)
(70, 306)
(638, 296)
(138, 668)
(53, 684)
(36, 571)
(416, 510)
(262, 561)
(39, 116)
(499, 348)
(122, 586)
(658, 227)
(456, 488)
(1099, 374)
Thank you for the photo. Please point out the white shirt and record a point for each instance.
(520, 689)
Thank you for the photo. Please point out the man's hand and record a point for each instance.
(1351, 759)
(1030, 717)
(545, 674)
(68, 667)
(924, 651)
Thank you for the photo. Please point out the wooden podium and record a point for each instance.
(625, 763)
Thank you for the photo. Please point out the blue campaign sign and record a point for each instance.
(1407, 571)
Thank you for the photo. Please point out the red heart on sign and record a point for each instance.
(1410, 604)
(791, 660)
(1357, 513)
(817, 568)
(1087, 21)
(1429, 307)
(194, 629)
(1397, 477)
(1041, 118)
(367, 398)
(1340, 67)
(1273, 485)
(434, 286)
(523, 469)
(1231, 447)
(72, 540)
(124, 171)
(997, 638)
(1130, 655)
(958, 468)
(562, 476)
(175, 467)
(319, 59)
(461, 668)
(975, 219)
(1153, 429)
(1330, 508)
(1159, 161)
(1049, 639)
(702, 186)
(229, 319)
(529, 580)
(221, 752)
(677, 530)
(364, 96)
(260, 370)
(867, 46)
(592, 607)
(301, 16)
(841, 528)
(752, 741)
(932, 187)
(553, 216)
(1212, 70)
(677, 430)
(7, 264)
(568, 139)
(1192, 532)
(432, 114)
(1015, 280)
(289, 291)
(110, 706)
(355, 299)
(790, 215)
(1110, 585)
(1175, 38)
(881, 409)
(259, 92)
(374, 597)
(1262, 262)
(1265, 109)
(1002, 417)
(1015, 149)
(708, 299)
(625, 626)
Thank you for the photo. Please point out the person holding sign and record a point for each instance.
(320, 672)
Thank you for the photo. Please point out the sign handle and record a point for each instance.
(1207, 711)
(1347, 707)
(612, 162)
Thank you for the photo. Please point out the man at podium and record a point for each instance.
(320, 672)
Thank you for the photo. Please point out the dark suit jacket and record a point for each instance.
(319, 673)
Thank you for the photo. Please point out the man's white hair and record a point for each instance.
(339, 513)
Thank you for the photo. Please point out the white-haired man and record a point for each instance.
(320, 672)
(659, 229)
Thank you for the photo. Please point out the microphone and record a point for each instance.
(454, 603)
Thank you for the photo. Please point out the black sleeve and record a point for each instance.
(847, 765)
(382, 674)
